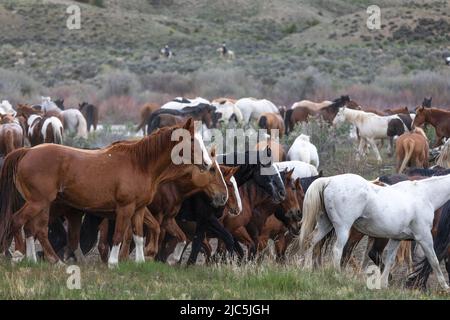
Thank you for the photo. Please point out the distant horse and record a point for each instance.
(270, 120)
(301, 169)
(73, 119)
(412, 150)
(315, 106)
(252, 108)
(443, 160)
(90, 113)
(438, 118)
(228, 110)
(83, 179)
(278, 153)
(6, 108)
(180, 103)
(228, 55)
(146, 111)
(168, 117)
(11, 134)
(303, 111)
(303, 150)
(39, 128)
(371, 126)
(342, 201)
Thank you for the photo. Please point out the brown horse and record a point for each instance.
(269, 121)
(438, 118)
(278, 152)
(276, 230)
(412, 150)
(257, 206)
(90, 112)
(11, 134)
(120, 179)
(146, 111)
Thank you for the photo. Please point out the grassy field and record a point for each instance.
(154, 280)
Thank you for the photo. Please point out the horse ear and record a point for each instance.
(321, 173)
(290, 172)
(212, 152)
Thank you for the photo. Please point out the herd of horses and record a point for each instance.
(130, 196)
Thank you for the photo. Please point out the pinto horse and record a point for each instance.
(40, 128)
(371, 126)
(169, 117)
(347, 200)
(138, 168)
(11, 134)
(438, 118)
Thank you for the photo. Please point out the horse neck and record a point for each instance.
(433, 116)
(436, 189)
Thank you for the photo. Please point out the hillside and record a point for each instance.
(273, 40)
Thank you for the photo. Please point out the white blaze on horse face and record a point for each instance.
(223, 180)
(205, 155)
(31, 249)
(114, 256)
(139, 242)
(236, 193)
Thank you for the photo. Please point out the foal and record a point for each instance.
(412, 149)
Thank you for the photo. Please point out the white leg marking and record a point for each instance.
(139, 242)
(31, 249)
(114, 256)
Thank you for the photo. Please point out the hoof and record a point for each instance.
(60, 264)
(113, 266)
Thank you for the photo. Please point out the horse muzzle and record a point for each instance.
(219, 200)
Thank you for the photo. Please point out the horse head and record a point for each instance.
(427, 102)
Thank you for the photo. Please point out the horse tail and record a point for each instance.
(90, 116)
(10, 198)
(9, 141)
(89, 232)
(409, 148)
(419, 277)
(57, 132)
(262, 122)
(287, 120)
(313, 207)
(81, 126)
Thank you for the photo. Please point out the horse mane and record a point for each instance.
(148, 149)
(420, 131)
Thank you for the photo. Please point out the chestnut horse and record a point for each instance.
(438, 118)
(412, 150)
(270, 120)
(11, 134)
(83, 179)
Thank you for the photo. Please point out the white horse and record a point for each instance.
(303, 150)
(179, 103)
(301, 169)
(227, 56)
(228, 111)
(404, 211)
(6, 108)
(370, 127)
(252, 108)
(74, 121)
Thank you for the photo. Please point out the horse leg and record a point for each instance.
(360, 148)
(342, 234)
(353, 240)
(390, 150)
(369, 245)
(154, 231)
(41, 225)
(391, 252)
(375, 253)
(126, 245)
(426, 242)
(199, 236)
(103, 245)
(74, 218)
(324, 226)
(138, 233)
(123, 221)
(375, 149)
